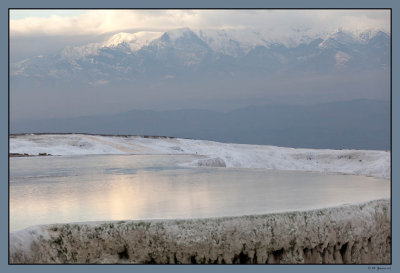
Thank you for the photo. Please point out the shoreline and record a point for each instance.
(350, 234)
(358, 162)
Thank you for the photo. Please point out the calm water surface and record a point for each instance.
(46, 190)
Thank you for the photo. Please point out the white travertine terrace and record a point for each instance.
(353, 234)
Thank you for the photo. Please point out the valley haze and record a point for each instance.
(357, 124)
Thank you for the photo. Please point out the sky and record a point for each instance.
(43, 32)
(86, 22)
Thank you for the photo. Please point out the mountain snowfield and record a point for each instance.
(358, 162)
(127, 55)
(226, 41)
(134, 41)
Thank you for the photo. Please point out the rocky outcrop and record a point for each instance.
(353, 234)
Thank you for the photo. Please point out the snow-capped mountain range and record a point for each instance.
(128, 56)
(228, 42)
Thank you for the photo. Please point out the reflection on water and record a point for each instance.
(119, 187)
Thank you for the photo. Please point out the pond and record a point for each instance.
(63, 189)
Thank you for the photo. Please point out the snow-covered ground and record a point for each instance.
(359, 162)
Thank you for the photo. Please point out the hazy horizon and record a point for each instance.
(356, 124)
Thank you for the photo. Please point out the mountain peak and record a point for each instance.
(119, 38)
(180, 33)
(135, 40)
(337, 38)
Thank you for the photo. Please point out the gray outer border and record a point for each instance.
(6, 4)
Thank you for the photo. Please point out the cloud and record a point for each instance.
(276, 22)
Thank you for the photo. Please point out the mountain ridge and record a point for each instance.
(125, 55)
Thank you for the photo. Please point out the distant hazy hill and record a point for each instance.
(357, 124)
